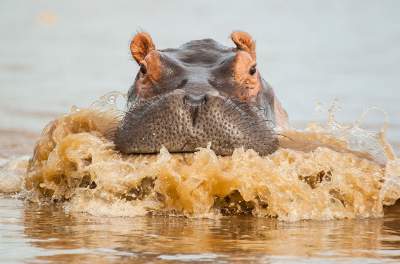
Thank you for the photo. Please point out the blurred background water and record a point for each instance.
(54, 54)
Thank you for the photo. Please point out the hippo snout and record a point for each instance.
(195, 100)
(183, 122)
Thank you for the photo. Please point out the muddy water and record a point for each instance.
(328, 193)
(47, 234)
(58, 54)
(325, 172)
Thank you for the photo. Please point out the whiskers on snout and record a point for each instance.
(184, 122)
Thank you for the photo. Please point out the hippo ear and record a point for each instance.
(244, 41)
(141, 45)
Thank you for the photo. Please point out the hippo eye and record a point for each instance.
(143, 69)
(253, 70)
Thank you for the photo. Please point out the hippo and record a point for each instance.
(200, 94)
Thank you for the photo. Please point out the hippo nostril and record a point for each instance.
(195, 99)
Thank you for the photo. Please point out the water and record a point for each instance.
(55, 55)
(47, 234)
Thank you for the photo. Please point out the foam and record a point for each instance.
(324, 172)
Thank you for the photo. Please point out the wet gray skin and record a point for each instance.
(195, 100)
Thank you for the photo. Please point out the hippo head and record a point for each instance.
(199, 93)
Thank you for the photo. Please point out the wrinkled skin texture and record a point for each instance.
(200, 93)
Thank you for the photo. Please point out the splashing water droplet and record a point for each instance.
(329, 171)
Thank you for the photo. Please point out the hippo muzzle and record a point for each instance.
(182, 122)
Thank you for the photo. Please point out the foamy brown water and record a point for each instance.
(310, 51)
(324, 172)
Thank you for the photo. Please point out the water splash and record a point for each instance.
(328, 171)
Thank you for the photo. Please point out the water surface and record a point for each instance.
(57, 54)
(48, 234)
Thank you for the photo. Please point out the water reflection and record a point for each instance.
(81, 238)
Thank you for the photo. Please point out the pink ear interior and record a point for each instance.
(141, 45)
(244, 41)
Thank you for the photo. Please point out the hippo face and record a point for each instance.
(199, 93)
